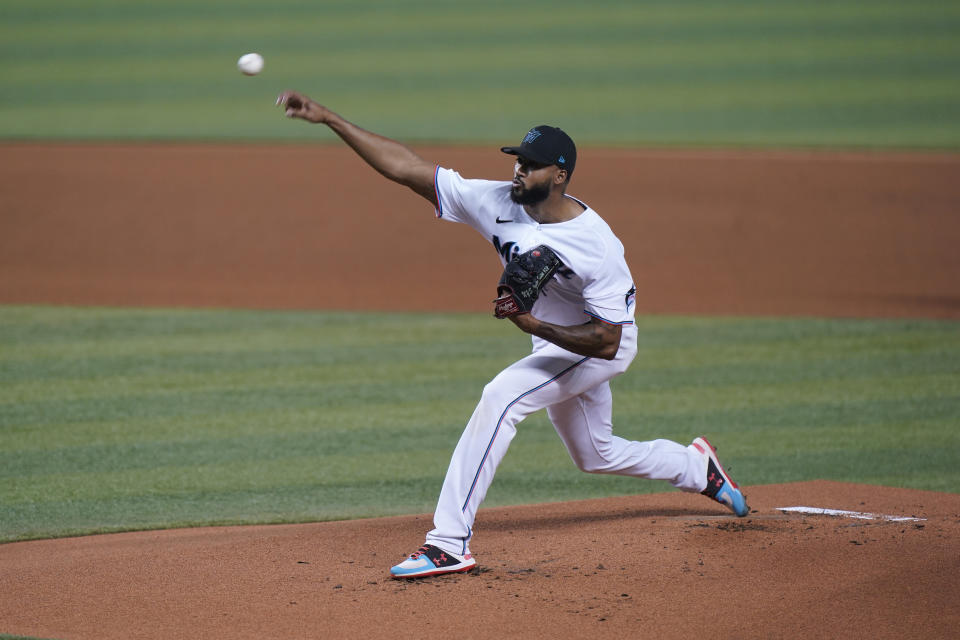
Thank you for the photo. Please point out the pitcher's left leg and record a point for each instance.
(584, 423)
(519, 390)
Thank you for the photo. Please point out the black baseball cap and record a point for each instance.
(547, 145)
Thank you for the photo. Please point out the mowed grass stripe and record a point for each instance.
(644, 72)
(117, 419)
(737, 410)
(356, 26)
(184, 402)
(159, 368)
(750, 422)
(331, 444)
(606, 57)
(306, 502)
(230, 467)
(805, 70)
(349, 418)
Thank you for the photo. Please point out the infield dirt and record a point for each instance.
(311, 227)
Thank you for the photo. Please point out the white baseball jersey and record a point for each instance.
(573, 389)
(594, 278)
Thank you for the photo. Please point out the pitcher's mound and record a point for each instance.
(668, 565)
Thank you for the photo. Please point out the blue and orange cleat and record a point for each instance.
(428, 560)
(719, 485)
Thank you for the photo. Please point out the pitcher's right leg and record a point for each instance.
(584, 423)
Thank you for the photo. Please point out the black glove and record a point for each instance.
(522, 280)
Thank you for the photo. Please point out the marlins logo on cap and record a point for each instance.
(547, 145)
(532, 135)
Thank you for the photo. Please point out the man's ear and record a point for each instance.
(561, 177)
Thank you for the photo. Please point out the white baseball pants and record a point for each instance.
(575, 391)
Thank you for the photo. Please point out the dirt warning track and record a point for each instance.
(312, 227)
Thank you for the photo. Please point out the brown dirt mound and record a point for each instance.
(662, 566)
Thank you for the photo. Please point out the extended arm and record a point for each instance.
(392, 159)
(597, 339)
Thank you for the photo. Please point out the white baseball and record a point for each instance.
(250, 64)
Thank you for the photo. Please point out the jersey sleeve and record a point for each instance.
(459, 199)
(610, 294)
(449, 205)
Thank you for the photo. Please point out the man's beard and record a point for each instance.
(530, 195)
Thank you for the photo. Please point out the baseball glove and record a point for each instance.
(522, 280)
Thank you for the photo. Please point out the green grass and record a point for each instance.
(742, 72)
(134, 419)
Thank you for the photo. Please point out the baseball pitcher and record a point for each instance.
(566, 283)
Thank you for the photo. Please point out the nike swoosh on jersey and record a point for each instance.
(499, 221)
